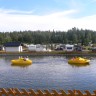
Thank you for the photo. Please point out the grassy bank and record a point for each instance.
(53, 53)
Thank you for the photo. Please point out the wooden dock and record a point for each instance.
(31, 92)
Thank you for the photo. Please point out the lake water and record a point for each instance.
(48, 72)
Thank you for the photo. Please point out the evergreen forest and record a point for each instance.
(72, 36)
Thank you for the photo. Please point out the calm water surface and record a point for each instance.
(48, 72)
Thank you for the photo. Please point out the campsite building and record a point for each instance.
(13, 47)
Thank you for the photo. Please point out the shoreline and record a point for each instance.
(53, 53)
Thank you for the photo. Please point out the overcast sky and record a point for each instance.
(16, 15)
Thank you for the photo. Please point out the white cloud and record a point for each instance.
(11, 11)
(56, 21)
(87, 22)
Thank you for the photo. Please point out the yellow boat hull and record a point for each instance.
(21, 61)
(78, 61)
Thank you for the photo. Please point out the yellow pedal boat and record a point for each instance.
(78, 60)
(21, 61)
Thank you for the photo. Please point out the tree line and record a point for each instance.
(72, 36)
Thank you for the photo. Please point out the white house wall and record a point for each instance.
(40, 49)
(37, 48)
(13, 49)
(32, 48)
(20, 49)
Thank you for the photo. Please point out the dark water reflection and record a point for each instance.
(48, 72)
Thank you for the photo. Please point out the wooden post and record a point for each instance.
(40, 93)
(88, 93)
(3, 91)
(25, 92)
(56, 93)
(18, 92)
(12, 92)
(48, 93)
(71, 93)
(80, 93)
(32, 92)
(63, 93)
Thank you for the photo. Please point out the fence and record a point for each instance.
(31, 92)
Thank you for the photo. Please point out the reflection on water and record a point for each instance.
(19, 65)
(48, 72)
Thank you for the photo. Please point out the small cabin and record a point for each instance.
(13, 47)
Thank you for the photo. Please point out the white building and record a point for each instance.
(40, 48)
(13, 47)
(69, 47)
(36, 48)
(32, 47)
